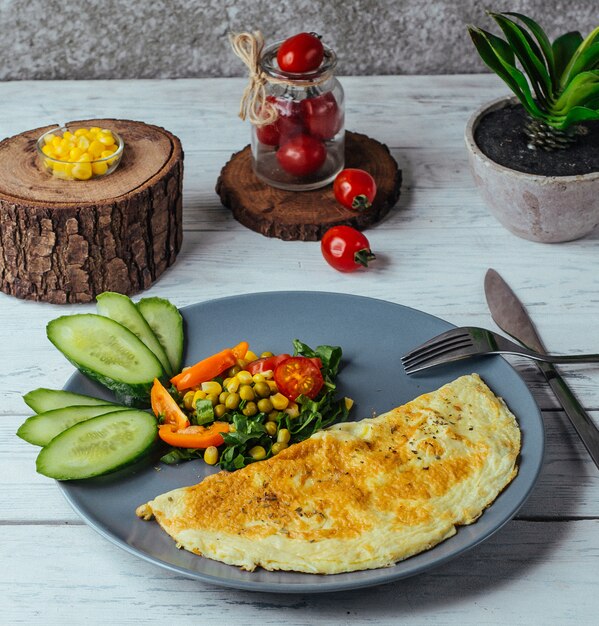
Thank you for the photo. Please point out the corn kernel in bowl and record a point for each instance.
(80, 153)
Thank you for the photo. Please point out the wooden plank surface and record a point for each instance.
(433, 250)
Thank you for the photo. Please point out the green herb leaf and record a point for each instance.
(177, 455)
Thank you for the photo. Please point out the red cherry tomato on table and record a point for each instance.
(298, 376)
(346, 249)
(354, 189)
(302, 155)
(321, 116)
(288, 124)
(301, 53)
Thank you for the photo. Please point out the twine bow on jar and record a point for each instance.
(254, 106)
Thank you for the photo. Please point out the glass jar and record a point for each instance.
(304, 148)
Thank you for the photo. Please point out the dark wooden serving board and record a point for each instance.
(307, 215)
(66, 241)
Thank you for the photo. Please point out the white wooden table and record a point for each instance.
(433, 250)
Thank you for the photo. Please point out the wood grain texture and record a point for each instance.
(432, 254)
(308, 215)
(65, 241)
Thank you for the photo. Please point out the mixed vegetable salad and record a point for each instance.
(235, 408)
(232, 408)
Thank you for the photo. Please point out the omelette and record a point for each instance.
(359, 495)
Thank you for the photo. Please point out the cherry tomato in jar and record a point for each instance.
(321, 116)
(288, 123)
(346, 249)
(302, 155)
(354, 189)
(297, 376)
(301, 53)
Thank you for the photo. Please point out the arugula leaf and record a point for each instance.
(330, 357)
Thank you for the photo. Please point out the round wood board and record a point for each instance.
(307, 215)
(66, 241)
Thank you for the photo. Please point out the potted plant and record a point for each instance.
(535, 157)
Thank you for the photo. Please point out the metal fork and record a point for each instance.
(469, 341)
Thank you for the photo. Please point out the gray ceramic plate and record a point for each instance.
(373, 335)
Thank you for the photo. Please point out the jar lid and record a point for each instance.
(269, 65)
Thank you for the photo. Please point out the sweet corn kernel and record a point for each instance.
(271, 428)
(56, 141)
(348, 403)
(105, 137)
(80, 132)
(82, 171)
(100, 168)
(49, 138)
(258, 378)
(279, 401)
(83, 142)
(198, 395)
(271, 383)
(48, 150)
(68, 135)
(212, 387)
(211, 455)
(250, 356)
(292, 410)
(96, 148)
(233, 385)
(75, 154)
(188, 400)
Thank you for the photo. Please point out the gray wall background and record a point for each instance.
(66, 39)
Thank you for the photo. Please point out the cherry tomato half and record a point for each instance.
(346, 249)
(321, 116)
(288, 124)
(301, 53)
(297, 376)
(354, 189)
(302, 155)
(266, 363)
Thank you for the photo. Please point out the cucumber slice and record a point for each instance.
(107, 352)
(98, 446)
(166, 323)
(42, 428)
(42, 400)
(121, 309)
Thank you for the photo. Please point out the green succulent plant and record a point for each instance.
(558, 83)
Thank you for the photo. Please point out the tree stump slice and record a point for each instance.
(65, 241)
(307, 215)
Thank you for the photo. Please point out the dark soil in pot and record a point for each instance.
(500, 135)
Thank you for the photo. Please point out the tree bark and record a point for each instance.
(67, 241)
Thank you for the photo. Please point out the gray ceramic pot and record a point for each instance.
(548, 209)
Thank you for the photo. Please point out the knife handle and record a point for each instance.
(581, 420)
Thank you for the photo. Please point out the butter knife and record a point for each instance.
(511, 316)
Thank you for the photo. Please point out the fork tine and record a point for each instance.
(450, 337)
(440, 348)
(444, 355)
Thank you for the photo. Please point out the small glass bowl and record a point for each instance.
(64, 169)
